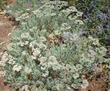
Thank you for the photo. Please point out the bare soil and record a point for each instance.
(6, 28)
(3, 87)
(98, 83)
(11, 1)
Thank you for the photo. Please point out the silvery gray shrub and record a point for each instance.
(47, 52)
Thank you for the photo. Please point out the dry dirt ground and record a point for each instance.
(6, 28)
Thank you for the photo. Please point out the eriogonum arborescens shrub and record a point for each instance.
(48, 53)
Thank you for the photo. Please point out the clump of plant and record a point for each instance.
(96, 15)
(24, 6)
(2, 4)
(48, 53)
(96, 12)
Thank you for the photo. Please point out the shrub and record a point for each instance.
(48, 53)
(2, 3)
(96, 15)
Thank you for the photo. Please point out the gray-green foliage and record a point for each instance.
(2, 4)
(47, 51)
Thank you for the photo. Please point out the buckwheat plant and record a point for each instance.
(48, 53)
